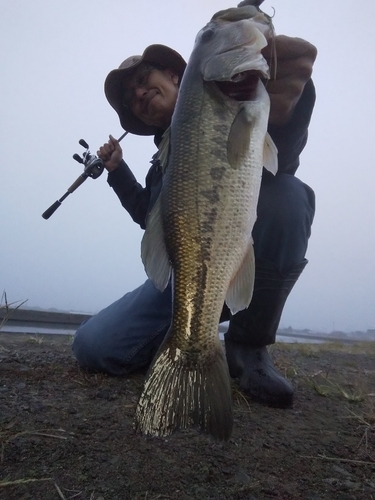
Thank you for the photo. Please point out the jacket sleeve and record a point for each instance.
(290, 139)
(135, 198)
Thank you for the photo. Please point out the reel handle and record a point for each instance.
(83, 143)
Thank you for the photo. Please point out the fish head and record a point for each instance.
(228, 48)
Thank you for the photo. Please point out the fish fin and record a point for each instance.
(239, 139)
(270, 155)
(240, 290)
(153, 250)
(164, 149)
(181, 392)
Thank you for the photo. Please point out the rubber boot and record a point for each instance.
(252, 329)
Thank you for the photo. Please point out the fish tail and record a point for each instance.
(180, 393)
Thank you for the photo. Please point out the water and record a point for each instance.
(279, 338)
(36, 330)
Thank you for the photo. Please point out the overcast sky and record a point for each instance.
(54, 59)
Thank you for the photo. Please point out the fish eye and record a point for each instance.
(207, 35)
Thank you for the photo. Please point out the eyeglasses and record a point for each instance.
(139, 79)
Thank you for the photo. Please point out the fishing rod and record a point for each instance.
(92, 167)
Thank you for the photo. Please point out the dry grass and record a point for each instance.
(23, 481)
(36, 338)
(366, 422)
(4, 304)
(324, 384)
(62, 434)
(328, 382)
(313, 350)
(240, 400)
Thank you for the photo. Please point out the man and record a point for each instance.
(125, 336)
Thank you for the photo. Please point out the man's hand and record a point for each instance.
(110, 153)
(294, 62)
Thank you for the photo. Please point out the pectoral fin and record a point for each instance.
(239, 139)
(153, 250)
(240, 290)
(270, 155)
(164, 149)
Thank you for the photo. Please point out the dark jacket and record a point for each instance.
(290, 140)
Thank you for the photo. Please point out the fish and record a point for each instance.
(198, 233)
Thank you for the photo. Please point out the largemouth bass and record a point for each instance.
(200, 228)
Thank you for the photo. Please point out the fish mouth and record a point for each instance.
(242, 86)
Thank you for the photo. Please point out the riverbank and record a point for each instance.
(68, 434)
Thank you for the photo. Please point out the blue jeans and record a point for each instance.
(125, 336)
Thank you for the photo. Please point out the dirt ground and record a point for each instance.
(66, 434)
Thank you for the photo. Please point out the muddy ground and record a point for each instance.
(66, 434)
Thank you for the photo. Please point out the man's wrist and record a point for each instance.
(111, 166)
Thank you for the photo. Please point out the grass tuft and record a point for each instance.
(239, 397)
(4, 304)
(323, 385)
(37, 338)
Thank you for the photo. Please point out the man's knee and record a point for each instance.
(285, 214)
(120, 338)
(88, 348)
(285, 200)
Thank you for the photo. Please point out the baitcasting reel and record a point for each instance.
(93, 167)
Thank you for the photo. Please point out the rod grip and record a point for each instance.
(81, 179)
(47, 214)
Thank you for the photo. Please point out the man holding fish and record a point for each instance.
(125, 336)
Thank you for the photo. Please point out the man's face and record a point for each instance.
(151, 95)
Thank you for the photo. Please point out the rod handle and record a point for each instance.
(52, 209)
(80, 180)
